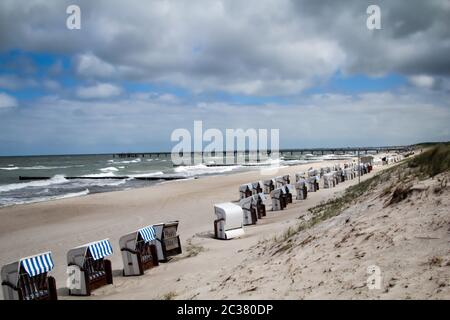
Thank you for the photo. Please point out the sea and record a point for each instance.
(90, 168)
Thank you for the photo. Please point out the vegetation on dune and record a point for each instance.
(428, 164)
(432, 162)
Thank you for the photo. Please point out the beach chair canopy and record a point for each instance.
(260, 196)
(100, 249)
(246, 186)
(231, 213)
(246, 203)
(148, 233)
(37, 264)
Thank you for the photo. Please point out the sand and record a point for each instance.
(197, 273)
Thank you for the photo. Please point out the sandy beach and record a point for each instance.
(63, 224)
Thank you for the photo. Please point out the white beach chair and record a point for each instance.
(328, 180)
(245, 190)
(139, 251)
(269, 185)
(258, 200)
(257, 187)
(229, 222)
(27, 279)
(250, 215)
(279, 181)
(89, 262)
(299, 176)
(278, 199)
(313, 184)
(167, 242)
(302, 190)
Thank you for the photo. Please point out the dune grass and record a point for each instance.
(432, 162)
(428, 164)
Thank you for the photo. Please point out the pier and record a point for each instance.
(268, 153)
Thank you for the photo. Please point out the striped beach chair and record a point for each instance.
(88, 261)
(139, 251)
(27, 279)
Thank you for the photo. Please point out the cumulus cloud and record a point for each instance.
(98, 91)
(7, 101)
(258, 47)
(89, 65)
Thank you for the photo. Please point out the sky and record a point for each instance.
(138, 70)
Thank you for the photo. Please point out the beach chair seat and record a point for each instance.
(94, 269)
(245, 190)
(269, 186)
(260, 206)
(230, 221)
(28, 279)
(257, 187)
(168, 243)
(288, 192)
(139, 251)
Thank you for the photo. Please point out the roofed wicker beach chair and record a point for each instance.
(139, 251)
(250, 215)
(288, 192)
(328, 180)
(269, 185)
(89, 262)
(28, 279)
(245, 190)
(229, 222)
(299, 176)
(258, 200)
(167, 242)
(278, 199)
(257, 187)
(302, 190)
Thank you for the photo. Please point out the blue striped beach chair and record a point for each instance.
(27, 279)
(139, 251)
(89, 261)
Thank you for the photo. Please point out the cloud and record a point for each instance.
(88, 65)
(129, 123)
(256, 47)
(13, 82)
(98, 91)
(7, 101)
(422, 81)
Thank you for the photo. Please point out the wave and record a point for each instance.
(12, 201)
(109, 169)
(143, 175)
(58, 179)
(202, 169)
(39, 167)
(137, 160)
(96, 175)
